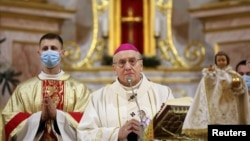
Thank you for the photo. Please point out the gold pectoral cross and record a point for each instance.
(130, 19)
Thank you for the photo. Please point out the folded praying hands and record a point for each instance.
(48, 109)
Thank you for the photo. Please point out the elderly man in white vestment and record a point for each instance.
(49, 106)
(113, 111)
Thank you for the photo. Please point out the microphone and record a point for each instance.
(134, 96)
(129, 80)
(132, 136)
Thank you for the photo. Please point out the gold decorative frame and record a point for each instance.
(148, 23)
(194, 51)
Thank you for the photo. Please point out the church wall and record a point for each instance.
(226, 27)
(21, 25)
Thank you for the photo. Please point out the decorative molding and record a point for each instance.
(220, 4)
(218, 45)
(27, 30)
(19, 15)
(41, 10)
(34, 6)
(193, 50)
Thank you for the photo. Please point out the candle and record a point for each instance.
(105, 27)
(157, 26)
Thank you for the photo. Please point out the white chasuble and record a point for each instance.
(110, 108)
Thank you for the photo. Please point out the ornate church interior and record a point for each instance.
(177, 38)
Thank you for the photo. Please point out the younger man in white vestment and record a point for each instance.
(113, 111)
(49, 106)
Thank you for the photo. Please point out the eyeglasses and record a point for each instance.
(131, 61)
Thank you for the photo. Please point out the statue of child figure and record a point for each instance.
(221, 98)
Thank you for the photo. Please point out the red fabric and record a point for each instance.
(137, 7)
(14, 122)
(55, 90)
(76, 115)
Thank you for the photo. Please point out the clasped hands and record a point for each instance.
(132, 125)
(48, 109)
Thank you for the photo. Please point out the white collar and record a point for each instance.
(44, 75)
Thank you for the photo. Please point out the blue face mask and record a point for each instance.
(50, 58)
(247, 79)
